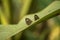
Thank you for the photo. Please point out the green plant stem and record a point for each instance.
(6, 8)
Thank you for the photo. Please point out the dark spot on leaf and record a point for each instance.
(28, 21)
(36, 17)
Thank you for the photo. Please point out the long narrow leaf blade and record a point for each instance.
(50, 11)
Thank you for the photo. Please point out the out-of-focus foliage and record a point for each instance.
(17, 9)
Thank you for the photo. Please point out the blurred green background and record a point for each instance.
(14, 10)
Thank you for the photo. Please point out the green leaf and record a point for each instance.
(10, 30)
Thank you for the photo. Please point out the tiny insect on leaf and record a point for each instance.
(28, 21)
(36, 17)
